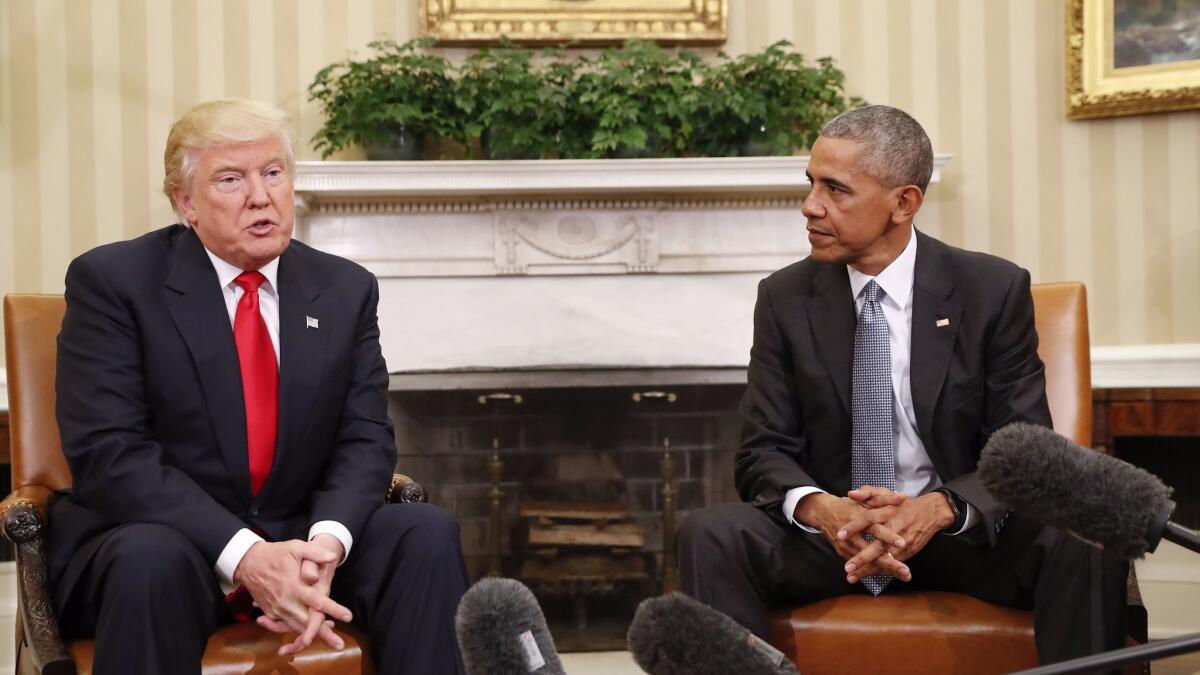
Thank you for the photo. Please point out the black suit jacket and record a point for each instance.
(150, 405)
(968, 378)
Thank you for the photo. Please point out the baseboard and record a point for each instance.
(1169, 580)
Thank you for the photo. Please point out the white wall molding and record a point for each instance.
(1136, 366)
(3, 389)
(571, 177)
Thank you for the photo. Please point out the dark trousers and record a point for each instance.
(151, 600)
(741, 561)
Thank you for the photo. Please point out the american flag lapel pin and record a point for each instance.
(942, 323)
(310, 322)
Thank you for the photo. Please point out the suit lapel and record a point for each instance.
(301, 353)
(932, 344)
(198, 309)
(832, 320)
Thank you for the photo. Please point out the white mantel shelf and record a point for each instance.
(574, 177)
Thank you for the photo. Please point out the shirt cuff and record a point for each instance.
(791, 498)
(972, 519)
(336, 529)
(231, 556)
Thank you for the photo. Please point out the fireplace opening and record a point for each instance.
(563, 487)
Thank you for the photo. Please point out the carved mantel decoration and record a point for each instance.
(580, 21)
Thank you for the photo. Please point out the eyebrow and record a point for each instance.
(232, 167)
(833, 182)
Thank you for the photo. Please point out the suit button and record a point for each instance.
(252, 513)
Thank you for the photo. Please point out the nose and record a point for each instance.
(258, 196)
(812, 207)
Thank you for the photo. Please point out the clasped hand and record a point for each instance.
(290, 582)
(900, 527)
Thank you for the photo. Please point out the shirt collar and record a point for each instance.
(896, 279)
(226, 273)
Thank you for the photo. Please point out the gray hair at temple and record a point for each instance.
(220, 122)
(898, 151)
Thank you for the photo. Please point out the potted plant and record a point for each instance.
(386, 103)
(572, 121)
(642, 97)
(507, 104)
(768, 103)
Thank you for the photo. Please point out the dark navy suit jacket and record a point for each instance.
(150, 405)
(970, 376)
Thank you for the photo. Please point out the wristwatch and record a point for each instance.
(959, 506)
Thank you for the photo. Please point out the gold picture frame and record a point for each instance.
(589, 22)
(1097, 86)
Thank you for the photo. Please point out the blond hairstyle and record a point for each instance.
(220, 122)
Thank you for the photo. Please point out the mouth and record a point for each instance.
(815, 234)
(261, 226)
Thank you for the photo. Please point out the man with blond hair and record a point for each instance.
(222, 402)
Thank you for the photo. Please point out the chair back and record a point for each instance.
(31, 325)
(1060, 312)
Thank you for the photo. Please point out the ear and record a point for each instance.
(908, 201)
(183, 201)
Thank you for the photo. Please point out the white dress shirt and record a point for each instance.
(915, 474)
(268, 304)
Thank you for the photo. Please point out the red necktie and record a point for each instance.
(260, 379)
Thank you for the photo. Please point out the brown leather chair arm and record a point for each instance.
(405, 490)
(24, 513)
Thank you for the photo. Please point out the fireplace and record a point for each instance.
(571, 445)
(614, 300)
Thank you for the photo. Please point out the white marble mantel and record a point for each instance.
(570, 178)
(562, 265)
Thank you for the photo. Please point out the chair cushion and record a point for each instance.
(245, 647)
(906, 633)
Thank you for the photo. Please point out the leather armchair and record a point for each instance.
(949, 632)
(31, 325)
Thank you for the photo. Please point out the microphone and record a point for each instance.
(502, 631)
(676, 635)
(1101, 499)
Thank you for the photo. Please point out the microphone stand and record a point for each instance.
(1178, 534)
(1159, 649)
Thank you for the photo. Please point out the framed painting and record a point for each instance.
(586, 22)
(1126, 57)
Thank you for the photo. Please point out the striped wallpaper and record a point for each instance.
(88, 89)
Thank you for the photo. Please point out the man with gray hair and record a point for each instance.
(880, 366)
(222, 404)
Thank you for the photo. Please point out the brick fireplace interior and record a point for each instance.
(571, 445)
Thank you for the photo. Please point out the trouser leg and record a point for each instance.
(739, 560)
(403, 581)
(150, 600)
(1076, 591)
(1079, 601)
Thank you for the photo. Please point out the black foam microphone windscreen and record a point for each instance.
(1099, 498)
(502, 631)
(676, 635)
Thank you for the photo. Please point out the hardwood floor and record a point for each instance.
(1185, 664)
